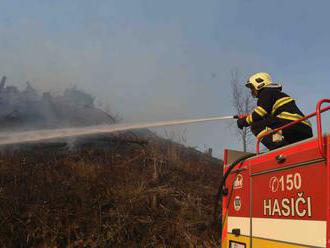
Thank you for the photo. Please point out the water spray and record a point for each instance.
(7, 138)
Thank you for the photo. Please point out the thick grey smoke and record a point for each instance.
(28, 109)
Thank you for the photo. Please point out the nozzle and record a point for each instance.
(240, 116)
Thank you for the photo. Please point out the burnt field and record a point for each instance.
(107, 192)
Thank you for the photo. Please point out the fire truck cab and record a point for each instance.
(280, 198)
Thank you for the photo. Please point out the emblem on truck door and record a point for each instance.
(237, 203)
(238, 183)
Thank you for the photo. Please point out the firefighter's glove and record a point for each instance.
(241, 122)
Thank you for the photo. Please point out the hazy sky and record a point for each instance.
(158, 60)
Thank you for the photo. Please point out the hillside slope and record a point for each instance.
(109, 191)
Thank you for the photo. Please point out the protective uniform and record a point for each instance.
(274, 109)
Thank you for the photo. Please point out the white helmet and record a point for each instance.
(259, 80)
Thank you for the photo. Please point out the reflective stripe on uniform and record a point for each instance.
(249, 119)
(293, 117)
(267, 129)
(260, 111)
(280, 102)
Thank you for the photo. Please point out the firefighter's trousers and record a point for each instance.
(295, 133)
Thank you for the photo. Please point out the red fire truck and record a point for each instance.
(279, 198)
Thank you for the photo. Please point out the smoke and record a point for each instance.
(127, 56)
(143, 70)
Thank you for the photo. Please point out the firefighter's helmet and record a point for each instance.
(259, 81)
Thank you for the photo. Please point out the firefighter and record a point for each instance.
(274, 109)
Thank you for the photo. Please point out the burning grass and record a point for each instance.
(118, 195)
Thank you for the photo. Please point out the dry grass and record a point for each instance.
(160, 195)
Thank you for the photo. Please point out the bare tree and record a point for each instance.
(3, 82)
(243, 103)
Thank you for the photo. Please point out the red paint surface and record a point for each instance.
(313, 184)
(293, 154)
(328, 190)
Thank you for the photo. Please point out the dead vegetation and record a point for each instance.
(110, 195)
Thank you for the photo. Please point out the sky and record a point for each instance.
(152, 60)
